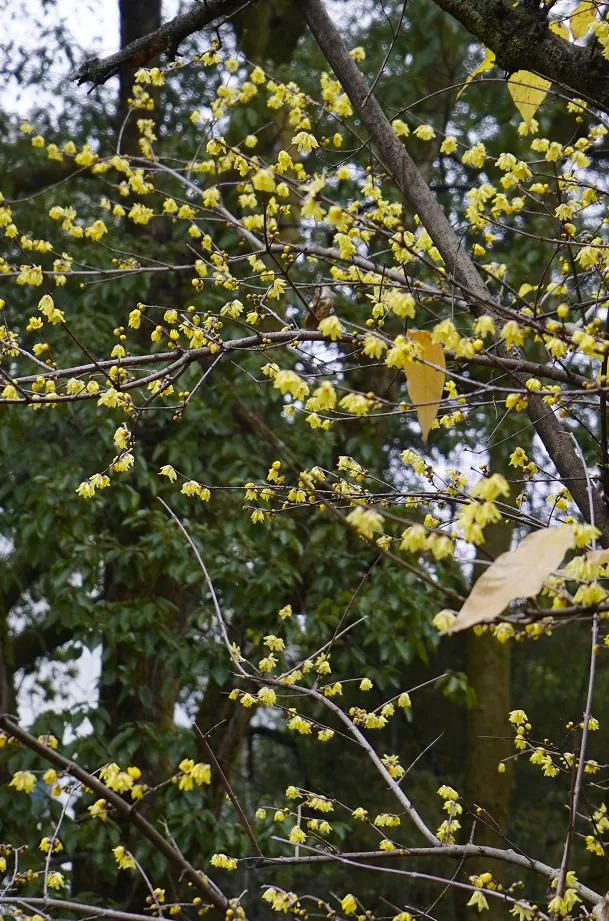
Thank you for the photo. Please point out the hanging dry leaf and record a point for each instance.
(487, 63)
(528, 92)
(582, 18)
(598, 557)
(425, 384)
(520, 573)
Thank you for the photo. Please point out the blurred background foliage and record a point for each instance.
(106, 594)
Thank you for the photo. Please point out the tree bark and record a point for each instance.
(458, 263)
(488, 667)
(519, 36)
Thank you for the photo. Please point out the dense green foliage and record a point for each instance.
(115, 576)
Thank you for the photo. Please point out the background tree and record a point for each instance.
(117, 575)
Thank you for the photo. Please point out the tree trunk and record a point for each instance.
(137, 18)
(488, 670)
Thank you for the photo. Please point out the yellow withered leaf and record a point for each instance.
(487, 63)
(519, 573)
(425, 384)
(560, 29)
(582, 18)
(528, 92)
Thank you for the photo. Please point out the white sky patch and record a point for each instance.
(73, 693)
(93, 24)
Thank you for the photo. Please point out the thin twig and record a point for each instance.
(231, 795)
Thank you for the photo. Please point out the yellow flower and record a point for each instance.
(365, 521)
(201, 773)
(275, 643)
(425, 132)
(384, 820)
(448, 145)
(99, 810)
(123, 858)
(297, 836)
(523, 911)
(478, 900)
(56, 880)
(349, 904)
(447, 792)
(45, 845)
(290, 382)
(304, 142)
(224, 862)
(264, 181)
(374, 346)
(140, 214)
(267, 696)
(331, 328)
(211, 197)
(23, 781)
(96, 230)
(512, 334)
(400, 127)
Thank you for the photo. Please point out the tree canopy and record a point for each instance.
(304, 342)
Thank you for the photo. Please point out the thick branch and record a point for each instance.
(279, 337)
(164, 40)
(91, 911)
(416, 191)
(456, 851)
(518, 33)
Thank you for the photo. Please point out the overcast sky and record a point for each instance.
(94, 24)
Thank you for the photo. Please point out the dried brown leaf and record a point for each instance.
(425, 384)
(519, 573)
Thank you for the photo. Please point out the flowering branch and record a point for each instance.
(213, 895)
(164, 40)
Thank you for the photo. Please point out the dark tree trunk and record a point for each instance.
(137, 18)
(488, 666)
